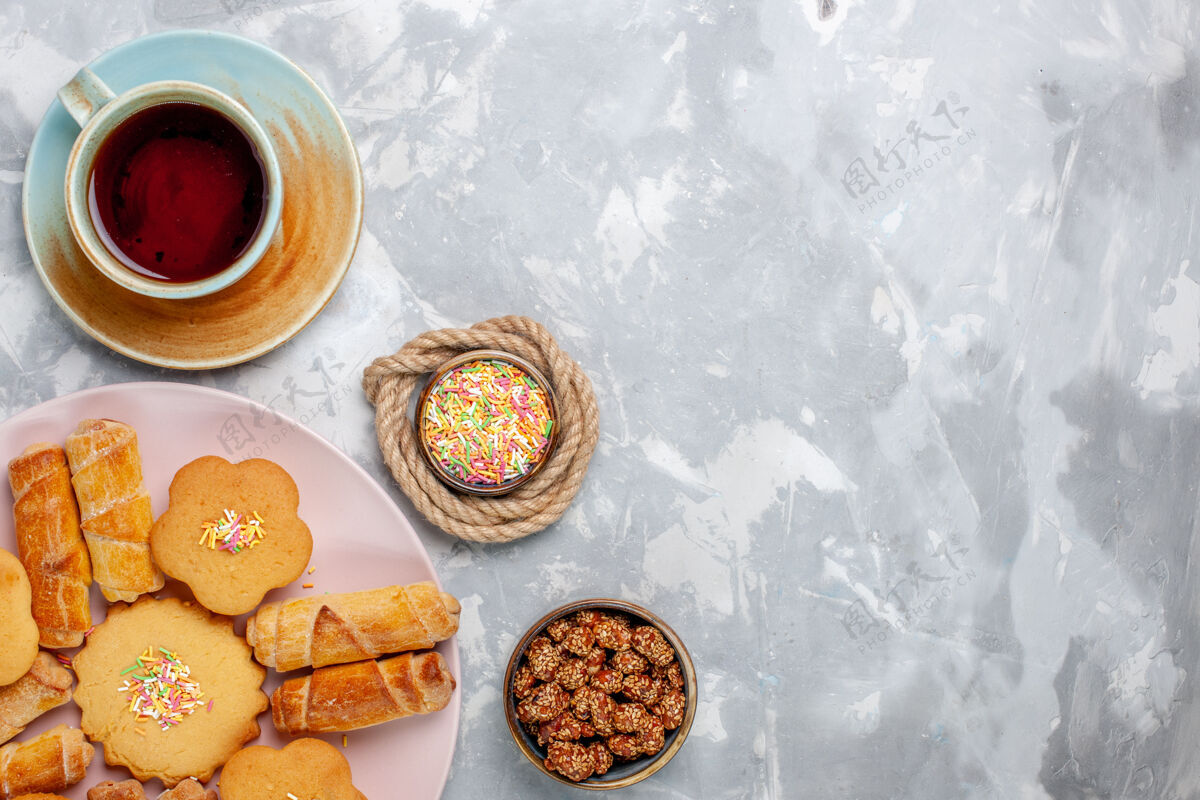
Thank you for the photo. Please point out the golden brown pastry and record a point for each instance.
(191, 789)
(351, 696)
(340, 628)
(47, 763)
(18, 631)
(306, 768)
(114, 507)
(46, 685)
(257, 544)
(51, 544)
(219, 689)
(39, 796)
(125, 790)
(188, 790)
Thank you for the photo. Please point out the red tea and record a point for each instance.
(177, 192)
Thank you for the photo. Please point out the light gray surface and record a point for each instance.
(914, 472)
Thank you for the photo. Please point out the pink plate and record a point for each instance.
(360, 541)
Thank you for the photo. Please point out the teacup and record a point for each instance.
(173, 189)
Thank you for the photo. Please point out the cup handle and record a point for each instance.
(84, 96)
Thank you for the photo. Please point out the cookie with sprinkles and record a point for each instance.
(231, 532)
(169, 689)
(487, 423)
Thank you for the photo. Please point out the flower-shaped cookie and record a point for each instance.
(230, 532)
(305, 768)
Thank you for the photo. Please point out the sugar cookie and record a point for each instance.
(213, 689)
(18, 631)
(231, 533)
(305, 768)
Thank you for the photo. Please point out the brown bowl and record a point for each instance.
(484, 490)
(621, 774)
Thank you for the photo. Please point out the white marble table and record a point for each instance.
(893, 314)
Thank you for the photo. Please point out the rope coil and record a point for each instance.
(389, 383)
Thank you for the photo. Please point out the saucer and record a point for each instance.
(301, 270)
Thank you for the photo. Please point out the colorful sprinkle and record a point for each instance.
(166, 693)
(345, 740)
(64, 660)
(234, 532)
(487, 422)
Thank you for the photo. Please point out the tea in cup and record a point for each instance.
(172, 188)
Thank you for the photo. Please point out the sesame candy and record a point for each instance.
(234, 532)
(160, 688)
(487, 423)
(623, 693)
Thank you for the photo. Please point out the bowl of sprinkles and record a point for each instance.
(486, 422)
